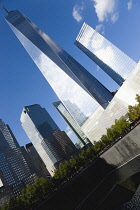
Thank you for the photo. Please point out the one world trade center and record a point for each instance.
(69, 79)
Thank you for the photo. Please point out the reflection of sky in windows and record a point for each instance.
(63, 85)
(105, 51)
(41, 142)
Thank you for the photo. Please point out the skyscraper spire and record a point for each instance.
(4, 9)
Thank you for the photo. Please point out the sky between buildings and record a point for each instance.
(21, 83)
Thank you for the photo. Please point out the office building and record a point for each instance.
(106, 55)
(15, 172)
(79, 145)
(99, 121)
(14, 166)
(65, 142)
(72, 123)
(70, 81)
(12, 162)
(46, 137)
(8, 140)
(34, 161)
(73, 109)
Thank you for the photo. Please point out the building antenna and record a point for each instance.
(4, 9)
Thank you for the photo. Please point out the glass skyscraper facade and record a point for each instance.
(78, 86)
(34, 161)
(14, 166)
(14, 169)
(41, 130)
(8, 140)
(79, 116)
(106, 55)
(71, 122)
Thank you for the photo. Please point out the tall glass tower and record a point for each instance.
(71, 122)
(106, 55)
(14, 168)
(79, 116)
(67, 77)
(7, 138)
(48, 140)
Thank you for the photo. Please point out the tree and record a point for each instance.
(57, 176)
(4, 206)
(35, 193)
(134, 111)
(43, 187)
(83, 157)
(13, 203)
(98, 146)
(105, 140)
(111, 134)
(65, 170)
(120, 126)
(90, 152)
(138, 99)
(29, 196)
(75, 163)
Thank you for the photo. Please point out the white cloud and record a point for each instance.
(105, 9)
(100, 28)
(129, 4)
(114, 17)
(71, 134)
(108, 51)
(77, 12)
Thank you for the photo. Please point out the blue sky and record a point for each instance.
(21, 83)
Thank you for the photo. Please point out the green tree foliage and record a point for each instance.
(98, 146)
(120, 126)
(134, 111)
(90, 152)
(83, 157)
(105, 140)
(10, 205)
(115, 130)
(111, 134)
(67, 168)
(64, 171)
(57, 176)
(75, 163)
(5, 206)
(13, 204)
(37, 192)
(28, 195)
(138, 99)
(42, 187)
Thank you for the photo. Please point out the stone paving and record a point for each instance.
(134, 203)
